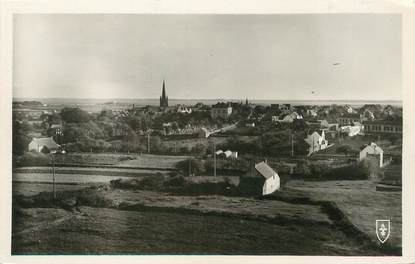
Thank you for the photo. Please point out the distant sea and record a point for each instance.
(94, 105)
(155, 101)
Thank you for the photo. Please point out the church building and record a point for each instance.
(164, 99)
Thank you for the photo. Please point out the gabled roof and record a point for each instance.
(228, 153)
(375, 148)
(46, 141)
(265, 170)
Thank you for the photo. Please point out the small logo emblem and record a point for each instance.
(383, 228)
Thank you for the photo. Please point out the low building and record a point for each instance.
(370, 151)
(348, 119)
(312, 112)
(39, 144)
(290, 118)
(349, 109)
(261, 181)
(221, 110)
(250, 124)
(353, 130)
(226, 154)
(184, 109)
(316, 141)
(383, 127)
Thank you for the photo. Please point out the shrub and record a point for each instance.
(175, 182)
(352, 172)
(155, 182)
(33, 159)
(196, 167)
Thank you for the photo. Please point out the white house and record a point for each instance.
(227, 154)
(316, 142)
(291, 117)
(352, 131)
(221, 110)
(38, 144)
(184, 110)
(372, 150)
(311, 112)
(272, 180)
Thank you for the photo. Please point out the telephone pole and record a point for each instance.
(292, 145)
(148, 141)
(214, 159)
(190, 167)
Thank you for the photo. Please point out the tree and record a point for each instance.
(20, 138)
(155, 143)
(192, 166)
(344, 149)
(74, 115)
(199, 149)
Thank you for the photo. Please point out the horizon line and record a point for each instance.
(217, 99)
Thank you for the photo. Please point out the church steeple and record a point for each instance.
(164, 100)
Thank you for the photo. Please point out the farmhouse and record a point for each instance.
(262, 180)
(316, 142)
(372, 150)
(221, 110)
(38, 144)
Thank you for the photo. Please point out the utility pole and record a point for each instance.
(148, 141)
(214, 159)
(292, 145)
(53, 177)
(190, 167)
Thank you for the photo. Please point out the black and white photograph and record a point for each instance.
(207, 134)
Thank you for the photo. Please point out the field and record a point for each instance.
(191, 142)
(360, 202)
(110, 231)
(295, 221)
(152, 161)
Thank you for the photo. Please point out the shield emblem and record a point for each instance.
(383, 228)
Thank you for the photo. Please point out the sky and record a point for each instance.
(275, 57)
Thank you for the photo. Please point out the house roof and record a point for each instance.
(375, 148)
(46, 141)
(350, 116)
(228, 153)
(384, 122)
(265, 170)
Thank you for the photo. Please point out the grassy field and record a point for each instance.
(191, 142)
(29, 189)
(360, 202)
(111, 231)
(152, 161)
(148, 222)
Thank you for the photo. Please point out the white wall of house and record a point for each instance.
(372, 149)
(271, 185)
(34, 146)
